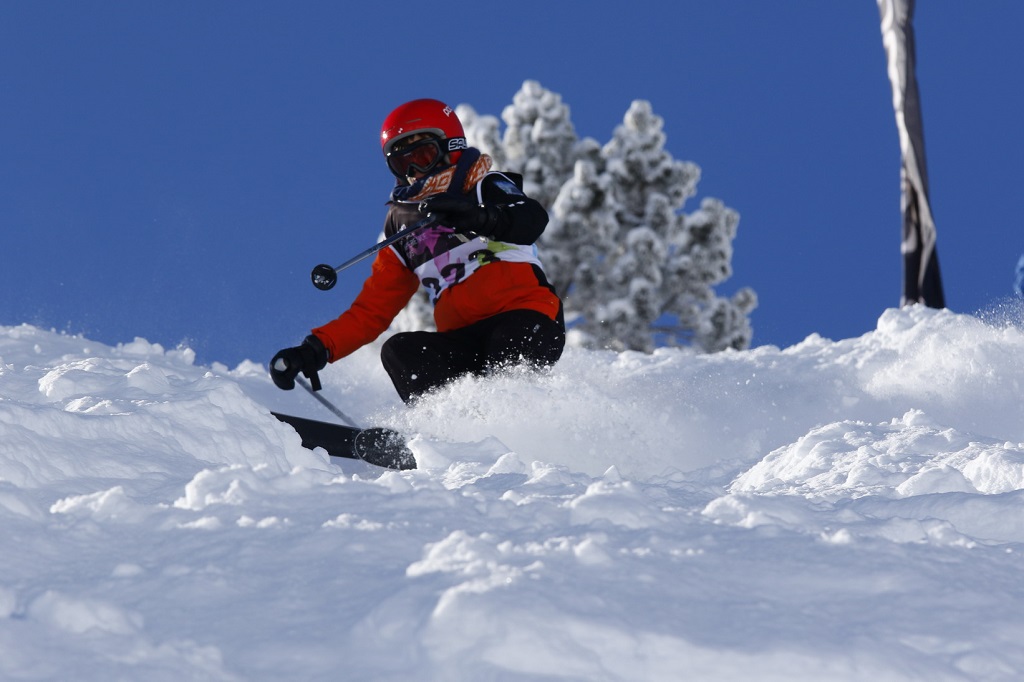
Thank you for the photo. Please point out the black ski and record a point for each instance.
(379, 446)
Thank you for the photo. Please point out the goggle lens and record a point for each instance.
(420, 156)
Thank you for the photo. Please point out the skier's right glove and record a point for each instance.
(308, 358)
(462, 214)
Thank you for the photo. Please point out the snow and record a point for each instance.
(840, 510)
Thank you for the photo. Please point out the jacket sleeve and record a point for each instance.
(386, 291)
(515, 218)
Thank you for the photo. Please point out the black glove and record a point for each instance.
(309, 358)
(461, 214)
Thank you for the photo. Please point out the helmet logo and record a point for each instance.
(447, 111)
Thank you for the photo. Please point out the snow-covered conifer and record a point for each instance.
(539, 141)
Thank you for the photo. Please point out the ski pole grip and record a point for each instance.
(314, 380)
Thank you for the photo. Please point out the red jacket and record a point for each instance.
(470, 278)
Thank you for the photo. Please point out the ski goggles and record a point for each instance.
(420, 156)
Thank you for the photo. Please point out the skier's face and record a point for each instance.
(415, 156)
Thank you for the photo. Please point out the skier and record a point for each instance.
(477, 259)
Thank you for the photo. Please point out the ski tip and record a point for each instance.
(385, 448)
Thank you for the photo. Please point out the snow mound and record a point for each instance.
(73, 409)
(904, 457)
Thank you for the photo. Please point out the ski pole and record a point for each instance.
(324, 276)
(326, 403)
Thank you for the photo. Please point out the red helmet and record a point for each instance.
(424, 116)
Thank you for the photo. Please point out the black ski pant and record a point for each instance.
(420, 361)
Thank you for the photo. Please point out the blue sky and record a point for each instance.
(174, 170)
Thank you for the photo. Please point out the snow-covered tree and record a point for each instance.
(634, 270)
(539, 141)
(484, 133)
(704, 259)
